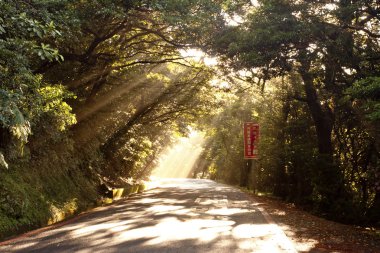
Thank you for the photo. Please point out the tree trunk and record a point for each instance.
(322, 117)
(280, 176)
(327, 177)
(245, 173)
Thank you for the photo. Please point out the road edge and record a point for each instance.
(286, 243)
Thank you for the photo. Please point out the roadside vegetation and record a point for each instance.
(92, 91)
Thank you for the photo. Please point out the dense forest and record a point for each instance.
(92, 91)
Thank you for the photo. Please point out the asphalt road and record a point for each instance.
(181, 215)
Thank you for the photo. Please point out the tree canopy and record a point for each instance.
(92, 91)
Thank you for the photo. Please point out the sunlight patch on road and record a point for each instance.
(252, 230)
(307, 246)
(227, 211)
(148, 201)
(168, 229)
(92, 229)
(164, 208)
(159, 200)
(26, 245)
(301, 244)
(173, 229)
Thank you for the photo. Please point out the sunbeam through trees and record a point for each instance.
(96, 95)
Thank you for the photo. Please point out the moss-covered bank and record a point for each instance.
(39, 192)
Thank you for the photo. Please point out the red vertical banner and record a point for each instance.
(251, 140)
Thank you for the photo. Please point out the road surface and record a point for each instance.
(181, 215)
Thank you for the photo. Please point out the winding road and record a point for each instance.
(180, 215)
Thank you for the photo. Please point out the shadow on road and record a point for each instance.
(180, 216)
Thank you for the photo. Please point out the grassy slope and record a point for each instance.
(46, 189)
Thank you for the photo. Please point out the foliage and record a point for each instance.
(324, 51)
(224, 150)
(29, 189)
(367, 91)
(22, 43)
(54, 98)
(94, 90)
(89, 80)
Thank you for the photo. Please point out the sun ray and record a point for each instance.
(178, 160)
